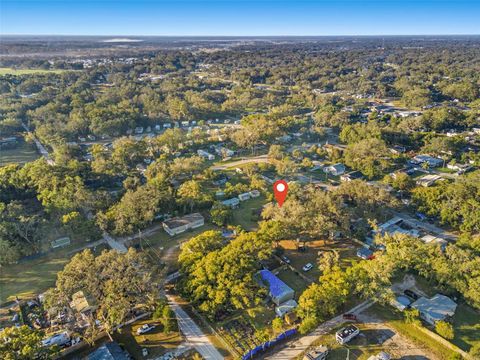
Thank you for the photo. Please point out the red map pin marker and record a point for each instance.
(280, 190)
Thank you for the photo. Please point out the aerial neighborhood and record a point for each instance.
(140, 219)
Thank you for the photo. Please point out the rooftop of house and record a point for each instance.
(347, 331)
(437, 307)
(109, 351)
(276, 286)
(185, 220)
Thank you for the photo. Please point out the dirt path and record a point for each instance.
(395, 344)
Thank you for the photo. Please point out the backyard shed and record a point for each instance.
(285, 308)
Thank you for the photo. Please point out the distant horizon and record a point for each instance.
(237, 36)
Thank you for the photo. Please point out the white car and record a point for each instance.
(145, 328)
(307, 267)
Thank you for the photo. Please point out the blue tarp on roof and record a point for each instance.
(276, 286)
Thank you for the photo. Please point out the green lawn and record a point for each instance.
(466, 323)
(295, 281)
(244, 215)
(155, 341)
(345, 249)
(11, 71)
(21, 154)
(30, 278)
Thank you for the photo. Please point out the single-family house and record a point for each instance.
(244, 196)
(353, 175)
(397, 225)
(179, 225)
(278, 291)
(437, 308)
(82, 303)
(139, 130)
(109, 351)
(335, 169)
(206, 155)
(430, 160)
(254, 193)
(428, 180)
(232, 203)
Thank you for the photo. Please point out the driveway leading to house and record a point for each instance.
(194, 335)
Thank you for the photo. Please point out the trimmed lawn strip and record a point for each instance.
(155, 341)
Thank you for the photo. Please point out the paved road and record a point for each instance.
(194, 335)
(41, 149)
(256, 159)
(294, 348)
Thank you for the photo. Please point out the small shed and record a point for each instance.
(401, 302)
(285, 308)
(60, 242)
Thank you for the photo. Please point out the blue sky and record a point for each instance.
(227, 17)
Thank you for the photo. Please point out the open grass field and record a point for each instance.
(11, 71)
(21, 154)
(395, 320)
(155, 341)
(31, 277)
(28, 279)
(295, 281)
(247, 214)
(466, 324)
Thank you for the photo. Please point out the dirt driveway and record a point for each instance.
(375, 331)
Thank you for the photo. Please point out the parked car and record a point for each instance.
(145, 328)
(61, 339)
(307, 267)
(349, 316)
(411, 294)
(285, 259)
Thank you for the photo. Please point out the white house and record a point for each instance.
(254, 193)
(244, 196)
(428, 180)
(206, 154)
(335, 169)
(232, 203)
(430, 160)
(179, 225)
(438, 308)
